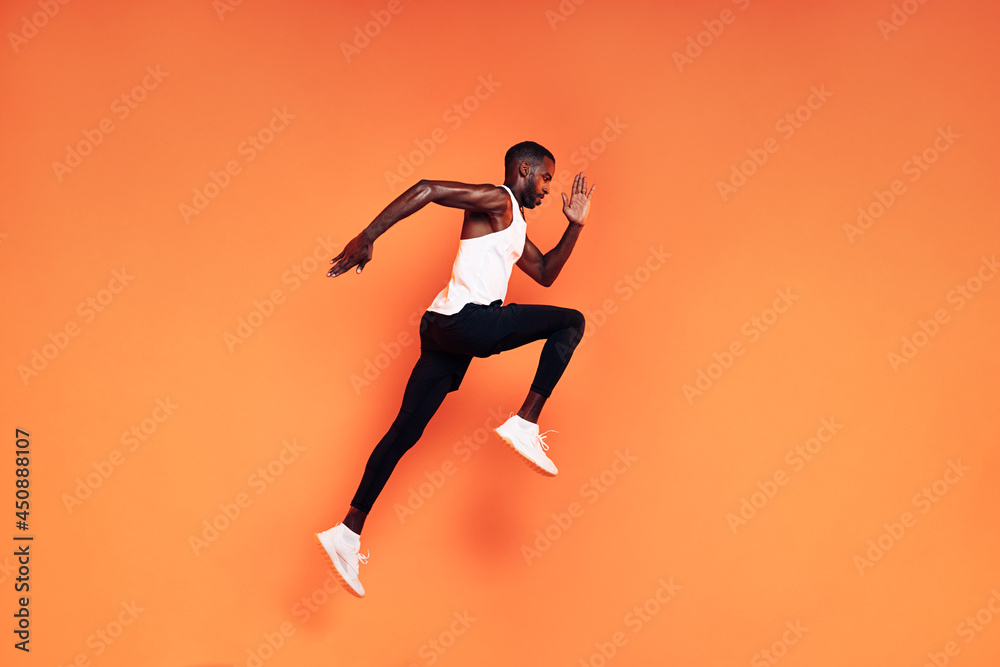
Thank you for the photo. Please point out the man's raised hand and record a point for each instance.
(577, 206)
(357, 252)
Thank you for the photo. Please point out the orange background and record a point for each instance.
(671, 133)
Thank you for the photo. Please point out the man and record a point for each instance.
(467, 319)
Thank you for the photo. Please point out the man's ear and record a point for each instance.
(524, 169)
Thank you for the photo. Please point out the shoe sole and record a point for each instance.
(340, 578)
(531, 464)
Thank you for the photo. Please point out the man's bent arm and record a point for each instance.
(481, 198)
(544, 269)
(488, 199)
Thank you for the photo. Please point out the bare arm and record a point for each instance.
(488, 199)
(545, 268)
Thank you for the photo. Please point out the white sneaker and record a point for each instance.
(342, 548)
(523, 437)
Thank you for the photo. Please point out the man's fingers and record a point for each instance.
(591, 191)
(339, 267)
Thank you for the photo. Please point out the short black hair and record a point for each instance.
(526, 151)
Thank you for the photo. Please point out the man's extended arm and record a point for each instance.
(544, 269)
(482, 198)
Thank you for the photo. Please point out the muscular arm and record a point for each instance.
(544, 269)
(488, 199)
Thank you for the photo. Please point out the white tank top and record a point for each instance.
(483, 265)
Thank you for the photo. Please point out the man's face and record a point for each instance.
(538, 183)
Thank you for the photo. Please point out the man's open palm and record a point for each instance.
(577, 205)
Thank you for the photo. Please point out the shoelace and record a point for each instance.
(541, 439)
(364, 559)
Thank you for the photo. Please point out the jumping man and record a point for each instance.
(467, 319)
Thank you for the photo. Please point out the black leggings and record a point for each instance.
(447, 345)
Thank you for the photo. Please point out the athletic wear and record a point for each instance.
(483, 265)
(523, 437)
(342, 547)
(447, 345)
